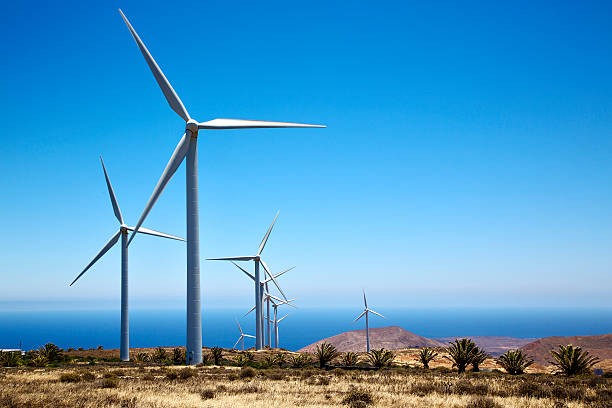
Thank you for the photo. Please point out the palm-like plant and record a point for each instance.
(350, 359)
(142, 357)
(39, 360)
(51, 352)
(426, 355)
(10, 359)
(178, 356)
(461, 352)
(479, 357)
(160, 355)
(217, 353)
(325, 353)
(381, 358)
(280, 359)
(571, 360)
(514, 361)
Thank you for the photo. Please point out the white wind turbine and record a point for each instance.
(259, 327)
(276, 323)
(365, 312)
(187, 148)
(242, 336)
(123, 232)
(275, 304)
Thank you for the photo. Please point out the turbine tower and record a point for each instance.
(187, 148)
(365, 312)
(242, 336)
(124, 353)
(275, 304)
(276, 322)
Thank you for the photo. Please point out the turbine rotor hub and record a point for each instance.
(192, 126)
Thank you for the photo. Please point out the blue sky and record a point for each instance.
(467, 159)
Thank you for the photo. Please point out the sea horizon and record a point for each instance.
(152, 328)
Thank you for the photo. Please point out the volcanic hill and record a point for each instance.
(494, 345)
(391, 338)
(598, 345)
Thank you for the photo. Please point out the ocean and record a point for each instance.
(150, 328)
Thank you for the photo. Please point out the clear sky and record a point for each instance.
(467, 159)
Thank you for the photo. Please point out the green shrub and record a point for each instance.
(88, 376)
(160, 355)
(514, 361)
(178, 356)
(301, 360)
(70, 377)
(110, 382)
(51, 352)
(185, 373)
(426, 354)
(280, 359)
(325, 353)
(172, 375)
(381, 358)
(142, 357)
(10, 359)
(571, 360)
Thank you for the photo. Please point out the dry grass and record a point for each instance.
(180, 387)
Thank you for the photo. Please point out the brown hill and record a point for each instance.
(600, 346)
(391, 338)
(494, 345)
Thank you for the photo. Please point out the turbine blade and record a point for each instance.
(234, 258)
(378, 314)
(173, 100)
(248, 335)
(360, 316)
(111, 193)
(104, 250)
(250, 124)
(237, 341)
(174, 163)
(365, 302)
(239, 328)
(247, 313)
(243, 270)
(279, 274)
(147, 231)
(265, 238)
(263, 263)
(279, 320)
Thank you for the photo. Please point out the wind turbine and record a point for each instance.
(242, 336)
(187, 148)
(259, 327)
(123, 232)
(276, 322)
(365, 312)
(262, 285)
(275, 305)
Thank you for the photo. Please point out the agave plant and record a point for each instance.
(279, 359)
(178, 356)
(479, 357)
(142, 357)
(242, 361)
(381, 358)
(269, 361)
(571, 360)
(514, 361)
(461, 353)
(160, 355)
(350, 359)
(325, 353)
(301, 360)
(10, 359)
(426, 355)
(217, 353)
(39, 360)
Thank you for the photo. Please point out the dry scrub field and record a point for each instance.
(209, 386)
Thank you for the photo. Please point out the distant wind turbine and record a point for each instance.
(259, 327)
(365, 312)
(276, 323)
(187, 148)
(123, 232)
(242, 336)
(275, 304)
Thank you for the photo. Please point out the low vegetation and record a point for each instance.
(514, 361)
(325, 353)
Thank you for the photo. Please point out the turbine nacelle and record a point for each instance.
(192, 126)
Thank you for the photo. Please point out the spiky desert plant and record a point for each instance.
(39, 360)
(217, 353)
(350, 359)
(426, 354)
(160, 355)
(301, 360)
(142, 357)
(514, 361)
(51, 352)
(178, 356)
(571, 360)
(242, 361)
(325, 353)
(479, 357)
(280, 359)
(10, 359)
(268, 361)
(461, 352)
(381, 358)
